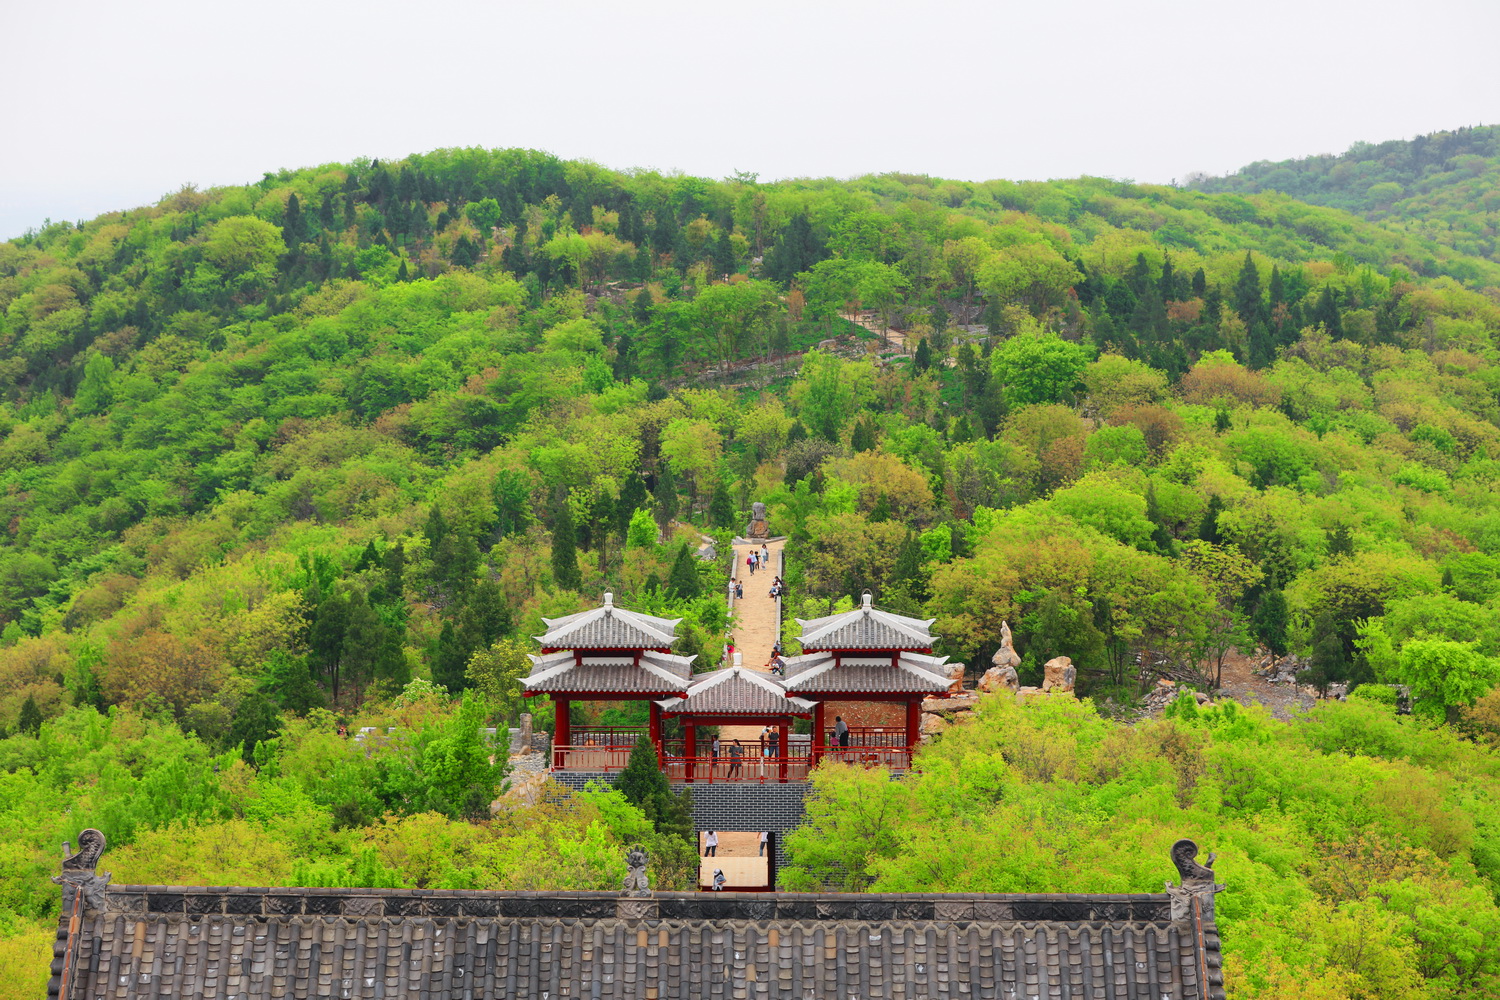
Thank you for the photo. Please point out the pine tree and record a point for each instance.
(863, 438)
(402, 274)
(565, 549)
(1327, 313)
(665, 495)
(1270, 620)
(436, 529)
(723, 253)
(293, 229)
(1340, 542)
(30, 721)
(364, 635)
(1247, 300)
(464, 254)
(255, 721)
(683, 580)
(632, 498)
(449, 660)
(720, 508)
(1208, 528)
(922, 359)
(908, 573)
(1159, 534)
(1221, 421)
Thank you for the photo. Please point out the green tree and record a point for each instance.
(30, 721)
(565, 549)
(96, 392)
(1270, 620)
(1038, 367)
(720, 509)
(683, 580)
(1444, 675)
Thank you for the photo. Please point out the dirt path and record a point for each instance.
(894, 339)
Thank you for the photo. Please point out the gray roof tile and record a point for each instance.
(866, 627)
(726, 945)
(609, 627)
(736, 691)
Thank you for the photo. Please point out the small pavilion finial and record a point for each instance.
(864, 600)
(609, 599)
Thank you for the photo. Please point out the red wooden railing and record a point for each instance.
(754, 766)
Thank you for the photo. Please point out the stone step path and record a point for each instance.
(756, 629)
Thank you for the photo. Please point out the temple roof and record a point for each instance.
(655, 673)
(609, 627)
(150, 942)
(736, 691)
(866, 627)
(821, 673)
(145, 942)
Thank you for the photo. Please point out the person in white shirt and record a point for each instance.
(711, 845)
(764, 837)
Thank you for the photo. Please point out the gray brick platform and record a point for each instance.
(746, 806)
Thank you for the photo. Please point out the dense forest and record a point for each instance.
(1445, 186)
(324, 449)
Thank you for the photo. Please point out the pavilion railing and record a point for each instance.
(754, 766)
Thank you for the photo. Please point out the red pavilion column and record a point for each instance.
(562, 734)
(913, 726)
(692, 749)
(784, 750)
(819, 731)
(656, 731)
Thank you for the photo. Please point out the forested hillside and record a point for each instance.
(327, 447)
(1444, 186)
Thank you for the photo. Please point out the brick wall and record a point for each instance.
(745, 806)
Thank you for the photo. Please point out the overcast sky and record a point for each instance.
(111, 105)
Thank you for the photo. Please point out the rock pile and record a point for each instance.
(1164, 693)
(1278, 669)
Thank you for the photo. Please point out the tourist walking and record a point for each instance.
(750, 561)
(841, 732)
(719, 880)
(739, 591)
(711, 845)
(764, 836)
(765, 553)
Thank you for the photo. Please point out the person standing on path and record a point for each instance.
(750, 561)
(765, 553)
(764, 836)
(711, 845)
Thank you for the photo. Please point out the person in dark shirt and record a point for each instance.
(736, 757)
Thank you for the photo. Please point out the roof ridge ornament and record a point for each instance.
(78, 870)
(865, 602)
(1197, 881)
(637, 885)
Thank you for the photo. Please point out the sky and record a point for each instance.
(110, 105)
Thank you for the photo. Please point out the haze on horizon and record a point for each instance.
(112, 107)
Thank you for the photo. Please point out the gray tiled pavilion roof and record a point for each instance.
(189, 943)
(609, 627)
(655, 674)
(866, 627)
(736, 691)
(812, 674)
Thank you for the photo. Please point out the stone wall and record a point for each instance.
(741, 806)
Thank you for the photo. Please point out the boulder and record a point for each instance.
(525, 793)
(949, 704)
(999, 679)
(1025, 694)
(1006, 655)
(935, 724)
(1059, 674)
(955, 678)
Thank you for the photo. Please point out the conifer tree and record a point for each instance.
(863, 438)
(449, 660)
(683, 579)
(1208, 528)
(665, 495)
(1270, 620)
(922, 359)
(30, 721)
(720, 509)
(293, 228)
(565, 549)
(464, 254)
